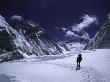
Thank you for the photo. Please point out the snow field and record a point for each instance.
(94, 68)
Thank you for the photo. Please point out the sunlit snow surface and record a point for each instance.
(94, 68)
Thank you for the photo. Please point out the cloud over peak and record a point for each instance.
(78, 30)
(17, 17)
(70, 33)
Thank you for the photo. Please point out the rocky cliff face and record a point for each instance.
(102, 38)
(24, 39)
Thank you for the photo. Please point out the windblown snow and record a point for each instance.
(59, 68)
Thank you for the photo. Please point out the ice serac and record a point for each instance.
(26, 38)
(102, 38)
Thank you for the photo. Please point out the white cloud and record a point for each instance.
(70, 33)
(64, 29)
(17, 17)
(87, 20)
(77, 30)
(85, 36)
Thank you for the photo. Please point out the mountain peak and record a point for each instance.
(24, 39)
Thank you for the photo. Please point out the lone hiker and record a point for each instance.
(79, 58)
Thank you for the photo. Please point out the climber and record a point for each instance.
(79, 58)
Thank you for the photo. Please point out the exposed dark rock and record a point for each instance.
(10, 56)
(6, 41)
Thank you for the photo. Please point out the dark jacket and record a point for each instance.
(79, 58)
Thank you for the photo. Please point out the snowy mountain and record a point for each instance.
(24, 38)
(102, 38)
(76, 41)
(71, 47)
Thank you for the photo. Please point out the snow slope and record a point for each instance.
(94, 68)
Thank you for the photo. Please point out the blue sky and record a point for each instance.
(53, 15)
